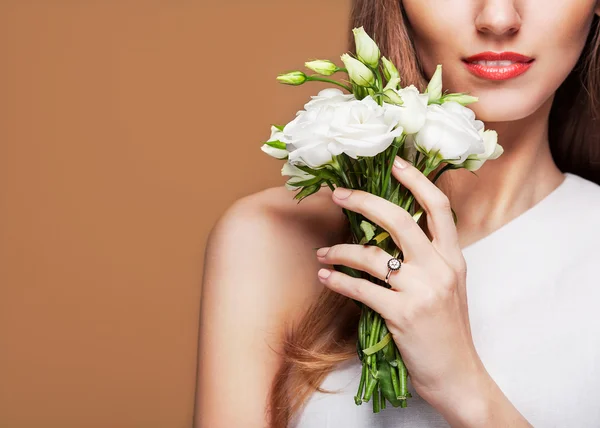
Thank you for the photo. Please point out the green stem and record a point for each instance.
(376, 402)
(371, 384)
(323, 79)
(361, 385)
(403, 375)
(395, 382)
(388, 172)
(441, 171)
(379, 83)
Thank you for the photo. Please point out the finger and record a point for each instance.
(367, 258)
(376, 297)
(403, 230)
(434, 202)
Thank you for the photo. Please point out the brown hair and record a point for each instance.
(326, 335)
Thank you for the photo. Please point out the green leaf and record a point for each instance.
(368, 229)
(322, 172)
(385, 382)
(379, 345)
(307, 191)
(279, 127)
(276, 144)
(381, 237)
(395, 196)
(418, 215)
(307, 182)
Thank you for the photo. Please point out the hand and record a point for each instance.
(425, 309)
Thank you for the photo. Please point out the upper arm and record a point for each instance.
(250, 259)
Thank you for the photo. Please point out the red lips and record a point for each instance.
(520, 64)
(499, 56)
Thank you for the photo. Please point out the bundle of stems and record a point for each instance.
(384, 376)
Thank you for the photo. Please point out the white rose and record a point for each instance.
(279, 153)
(450, 133)
(412, 113)
(492, 151)
(308, 134)
(328, 96)
(336, 124)
(363, 128)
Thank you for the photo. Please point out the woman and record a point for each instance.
(525, 350)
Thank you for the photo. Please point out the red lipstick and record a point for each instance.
(505, 65)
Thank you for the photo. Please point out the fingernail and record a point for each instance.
(342, 193)
(321, 252)
(400, 163)
(324, 273)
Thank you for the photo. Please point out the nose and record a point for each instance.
(499, 17)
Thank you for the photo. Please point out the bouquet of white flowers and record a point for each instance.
(350, 140)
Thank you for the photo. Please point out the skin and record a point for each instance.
(553, 32)
(272, 238)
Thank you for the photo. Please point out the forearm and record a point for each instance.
(478, 402)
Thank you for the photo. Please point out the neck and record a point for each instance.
(505, 187)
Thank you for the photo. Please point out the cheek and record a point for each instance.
(556, 40)
(432, 21)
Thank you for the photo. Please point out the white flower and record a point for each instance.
(450, 134)
(493, 150)
(366, 49)
(413, 112)
(278, 139)
(363, 128)
(296, 174)
(358, 72)
(333, 124)
(308, 134)
(328, 96)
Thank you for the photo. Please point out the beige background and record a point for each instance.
(126, 128)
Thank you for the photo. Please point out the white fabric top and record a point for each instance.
(534, 301)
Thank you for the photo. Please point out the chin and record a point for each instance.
(503, 106)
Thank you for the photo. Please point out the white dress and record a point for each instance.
(533, 291)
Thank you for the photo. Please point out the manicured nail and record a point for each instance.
(342, 192)
(324, 273)
(400, 163)
(322, 252)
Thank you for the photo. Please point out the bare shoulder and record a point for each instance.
(259, 273)
(317, 213)
(277, 235)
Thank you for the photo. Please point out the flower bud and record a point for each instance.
(366, 49)
(276, 145)
(434, 88)
(460, 98)
(322, 66)
(389, 69)
(296, 174)
(292, 78)
(358, 72)
(392, 83)
(391, 96)
(493, 150)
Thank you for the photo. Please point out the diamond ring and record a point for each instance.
(393, 265)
